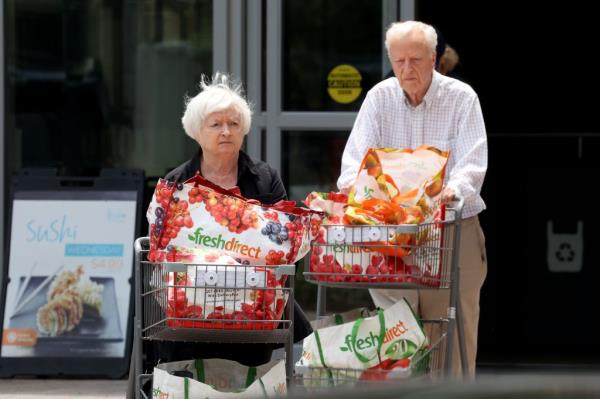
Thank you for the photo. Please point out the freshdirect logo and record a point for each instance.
(372, 340)
(232, 245)
(158, 394)
(351, 249)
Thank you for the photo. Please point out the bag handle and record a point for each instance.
(262, 387)
(199, 364)
(381, 337)
(251, 376)
(200, 375)
(283, 205)
(322, 358)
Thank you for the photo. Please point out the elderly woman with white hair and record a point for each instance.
(218, 119)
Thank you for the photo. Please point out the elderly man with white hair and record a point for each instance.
(420, 106)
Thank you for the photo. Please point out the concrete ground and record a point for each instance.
(35, 388)
(23, 388)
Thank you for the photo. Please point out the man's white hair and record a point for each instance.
(219, 94)
(398, 30)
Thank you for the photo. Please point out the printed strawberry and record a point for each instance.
(265, 297)
(194, 312)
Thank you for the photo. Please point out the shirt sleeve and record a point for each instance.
(365, 134)
(470, 152)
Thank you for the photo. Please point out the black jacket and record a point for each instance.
(256, 180)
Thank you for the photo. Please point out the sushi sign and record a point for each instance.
(70, 264)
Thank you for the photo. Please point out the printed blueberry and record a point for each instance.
(170, 248)
(159, 211)
(179, 186)
(175, 199)
(292, 217)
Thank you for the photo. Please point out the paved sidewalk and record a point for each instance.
(24, 388)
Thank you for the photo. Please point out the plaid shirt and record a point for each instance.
(449, 118)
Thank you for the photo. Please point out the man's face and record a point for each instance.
(413, 63)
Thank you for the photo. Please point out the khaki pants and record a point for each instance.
(433, 304)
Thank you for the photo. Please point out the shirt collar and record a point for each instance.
(429, 96)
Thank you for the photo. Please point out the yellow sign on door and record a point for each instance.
(343, 84)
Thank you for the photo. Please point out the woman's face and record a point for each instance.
(221, 133)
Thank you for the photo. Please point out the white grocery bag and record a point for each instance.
(393, 334)
(218, 378)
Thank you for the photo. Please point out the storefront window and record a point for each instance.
(320, 35)
(94, 84)
(312, 161)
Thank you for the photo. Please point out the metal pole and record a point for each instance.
(454, 316)
(321, 301)
(2, 134)
(289, 346)
(274, 35)
(137, 322)
(220, 36)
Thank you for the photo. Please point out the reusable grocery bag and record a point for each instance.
(398, 187)
(200, 214)
(392, 337)
(218, 378)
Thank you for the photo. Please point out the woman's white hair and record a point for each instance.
(219, 94)
(398, 30)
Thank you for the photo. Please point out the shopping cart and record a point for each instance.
(429, 363)
(210, 303)
(423, 256)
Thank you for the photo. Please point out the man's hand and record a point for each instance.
(448, 195)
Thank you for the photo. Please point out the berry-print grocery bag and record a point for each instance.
(200, 214)
(398, 187)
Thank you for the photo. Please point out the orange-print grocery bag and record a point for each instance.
(398, 187)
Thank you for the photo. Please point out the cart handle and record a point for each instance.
(458, 203)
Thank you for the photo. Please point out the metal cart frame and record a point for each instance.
(448, 252)
(151, 324)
